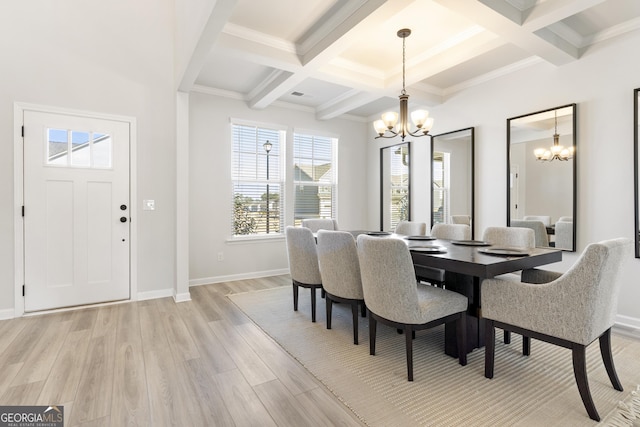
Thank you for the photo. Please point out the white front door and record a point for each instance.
(76, 210)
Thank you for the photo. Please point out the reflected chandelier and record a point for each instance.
(420, 118)
(557, 151)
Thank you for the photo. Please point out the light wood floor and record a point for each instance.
(157, 363)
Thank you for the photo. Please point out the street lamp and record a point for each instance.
(267, 147)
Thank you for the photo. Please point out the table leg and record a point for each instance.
(468, 286)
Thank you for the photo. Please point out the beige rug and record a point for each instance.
(538, 390)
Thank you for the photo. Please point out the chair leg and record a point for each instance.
(489, 348)
(580, 372)
(372, 335)
(363, 309)
(526, 346)
(354, 312)
(329, 306)
(461, 336)
(507, 337)
(607, 358)
(295, 297)
(409, 344)
(313, 304)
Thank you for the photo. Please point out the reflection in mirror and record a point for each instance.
(541, 175)
(395, 190)
(452, 185)
(636, 161)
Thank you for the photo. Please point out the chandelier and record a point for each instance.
(385, 127)
(557, 151)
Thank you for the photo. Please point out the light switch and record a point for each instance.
(149, 205)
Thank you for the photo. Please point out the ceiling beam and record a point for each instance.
(506, 21)
(218, 17)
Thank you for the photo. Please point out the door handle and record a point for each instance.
(123, 219)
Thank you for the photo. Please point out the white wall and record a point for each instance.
(113, 57)
(601, 83)
(210, 187)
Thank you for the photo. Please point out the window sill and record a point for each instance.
(255, 239)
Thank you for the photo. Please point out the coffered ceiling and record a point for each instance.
(338, 57)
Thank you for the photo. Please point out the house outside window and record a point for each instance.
(258, 185)
(314, 176)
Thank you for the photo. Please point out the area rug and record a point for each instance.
(538, 390)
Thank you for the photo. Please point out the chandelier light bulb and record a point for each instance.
(419, 117)
(390, 119)
(380, 127)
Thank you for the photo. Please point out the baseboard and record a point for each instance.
(7, 313)
(182, 297)
(627, 326)
(162, 293)
(232, 277)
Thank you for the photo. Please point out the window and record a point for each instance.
(74, 148)
(441, 184)
(257, 180)
(314, 177)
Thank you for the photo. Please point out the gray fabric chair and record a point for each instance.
(432, 275)
(303, 264)
(566, 219)
(451, 231)
(340, 271)
(539, 229)
(461, 219)
(393, 296)
(545, 219)
(510, 237)
(564, 235)
(315, 224)
(572, 310)
(411, 228)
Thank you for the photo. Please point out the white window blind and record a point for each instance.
(398, 166)
(257, 189)
(314, 177)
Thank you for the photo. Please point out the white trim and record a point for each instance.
(183, 297)
(18, 192)
(627, 326)
(234, 277)
(8, 313)
(161, 293)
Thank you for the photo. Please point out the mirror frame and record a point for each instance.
(382, 165)
(574, 172)
(473, 174)
(636, 173)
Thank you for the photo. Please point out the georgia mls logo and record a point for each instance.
(31, 416)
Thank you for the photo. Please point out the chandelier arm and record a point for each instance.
(417, 133)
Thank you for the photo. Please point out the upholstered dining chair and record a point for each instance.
(571, 310)
(435, 276)
(451, 231)
(461, 219)
(510, 237)
(393, 296)
(539, 229)
(340, 271)
(303, 264)
(315, 224)
(545, 219)
(564, 235)
(411, 228)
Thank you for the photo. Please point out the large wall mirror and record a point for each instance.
(636, 162)
(541, 175)
(395, 189)
(452, 180)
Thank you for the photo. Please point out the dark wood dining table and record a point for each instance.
(465, 268)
